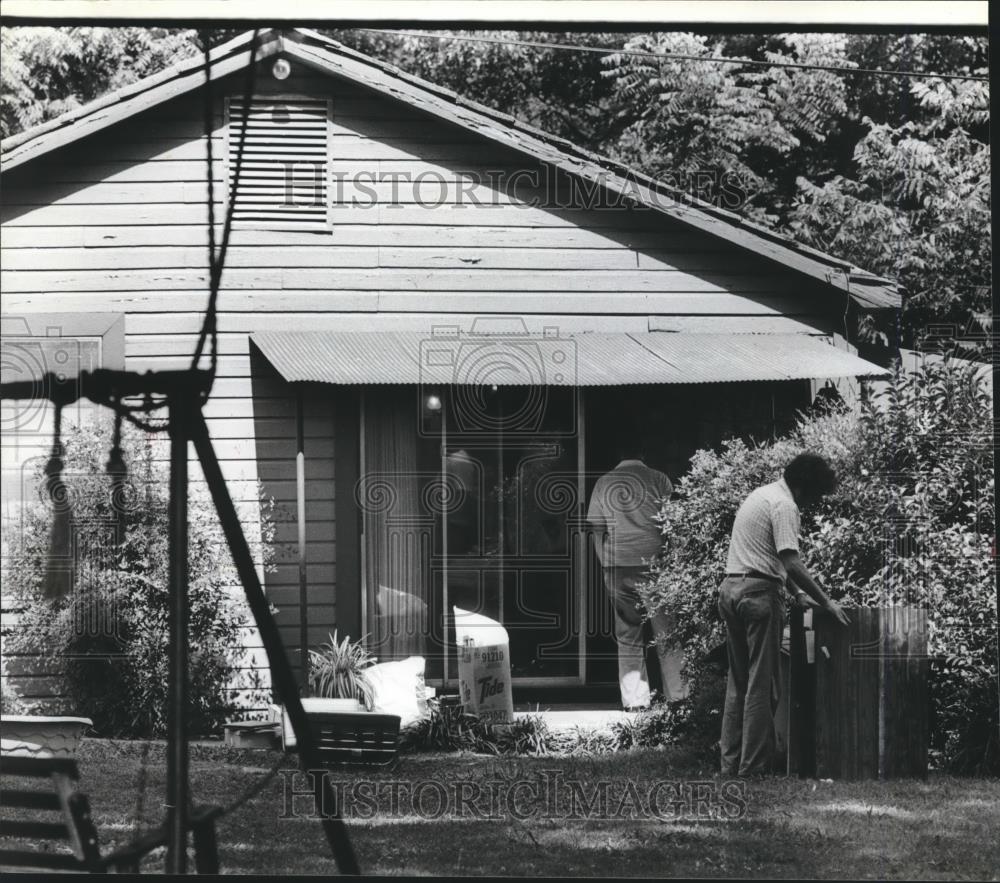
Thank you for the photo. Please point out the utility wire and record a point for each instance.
(673, 56)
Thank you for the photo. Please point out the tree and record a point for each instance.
(106, 639)
(49, 71)
(558, 91)
(917, 211)
(890, 173)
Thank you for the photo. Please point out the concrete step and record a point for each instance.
(577, 718)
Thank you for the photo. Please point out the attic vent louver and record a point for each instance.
(284, 173)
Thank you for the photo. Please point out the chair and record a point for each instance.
(63, 835)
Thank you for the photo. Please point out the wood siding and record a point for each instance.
(118, 223)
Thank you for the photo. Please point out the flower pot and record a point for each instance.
(31, 735)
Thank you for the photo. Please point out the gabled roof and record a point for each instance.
(868, 291)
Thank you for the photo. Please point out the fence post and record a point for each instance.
(801, 700)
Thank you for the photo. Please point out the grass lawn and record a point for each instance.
(699, 825)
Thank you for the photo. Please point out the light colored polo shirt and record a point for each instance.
(767, 523)
(621, 512)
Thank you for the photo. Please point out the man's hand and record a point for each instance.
(837, 612)
(805, 584)
(805, 602)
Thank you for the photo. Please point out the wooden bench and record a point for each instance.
(61, 833)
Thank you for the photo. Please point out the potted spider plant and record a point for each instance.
(338, 681)
(338, 671)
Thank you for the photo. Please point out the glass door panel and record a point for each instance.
(483, 514)
(511, 551)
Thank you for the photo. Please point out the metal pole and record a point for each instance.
(582, 587)
(300, 500)
(445, 398)
(177, 689)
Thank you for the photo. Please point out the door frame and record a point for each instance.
(578, 552)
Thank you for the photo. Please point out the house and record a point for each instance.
(434, 324)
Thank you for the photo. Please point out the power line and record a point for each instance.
(672, 56)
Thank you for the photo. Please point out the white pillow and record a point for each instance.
(398, 688)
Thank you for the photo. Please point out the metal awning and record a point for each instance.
(586, 359)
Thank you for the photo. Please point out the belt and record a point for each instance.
(756, 574)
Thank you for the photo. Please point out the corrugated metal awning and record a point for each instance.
(588, 359)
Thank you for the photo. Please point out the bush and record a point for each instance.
(693, 722)
(449, 728)
(106, 639)
(10, 702)
(911, 523)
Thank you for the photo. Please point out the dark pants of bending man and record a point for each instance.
(763, 555)
(753, 610)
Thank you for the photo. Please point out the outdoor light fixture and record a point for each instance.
(281, 69)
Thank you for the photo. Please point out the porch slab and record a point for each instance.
(564, 719)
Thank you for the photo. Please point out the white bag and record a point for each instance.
(484, 667)
(399, 688)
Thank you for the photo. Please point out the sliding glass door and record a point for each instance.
(482, 514)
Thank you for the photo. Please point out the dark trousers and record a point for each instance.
(754, 613)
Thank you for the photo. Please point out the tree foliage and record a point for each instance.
(49, 71)
(917, 210)
(559, 92)
(690, 117)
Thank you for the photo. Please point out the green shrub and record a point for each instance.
(11, 702)
(583, 741)
(449, 728)
(107, 638)
(911, 523)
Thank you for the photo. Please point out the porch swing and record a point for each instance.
(75, 826)
(134, 397)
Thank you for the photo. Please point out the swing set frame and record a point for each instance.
(183, 393)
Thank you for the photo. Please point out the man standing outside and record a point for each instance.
(621, 516)
(763, 554)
